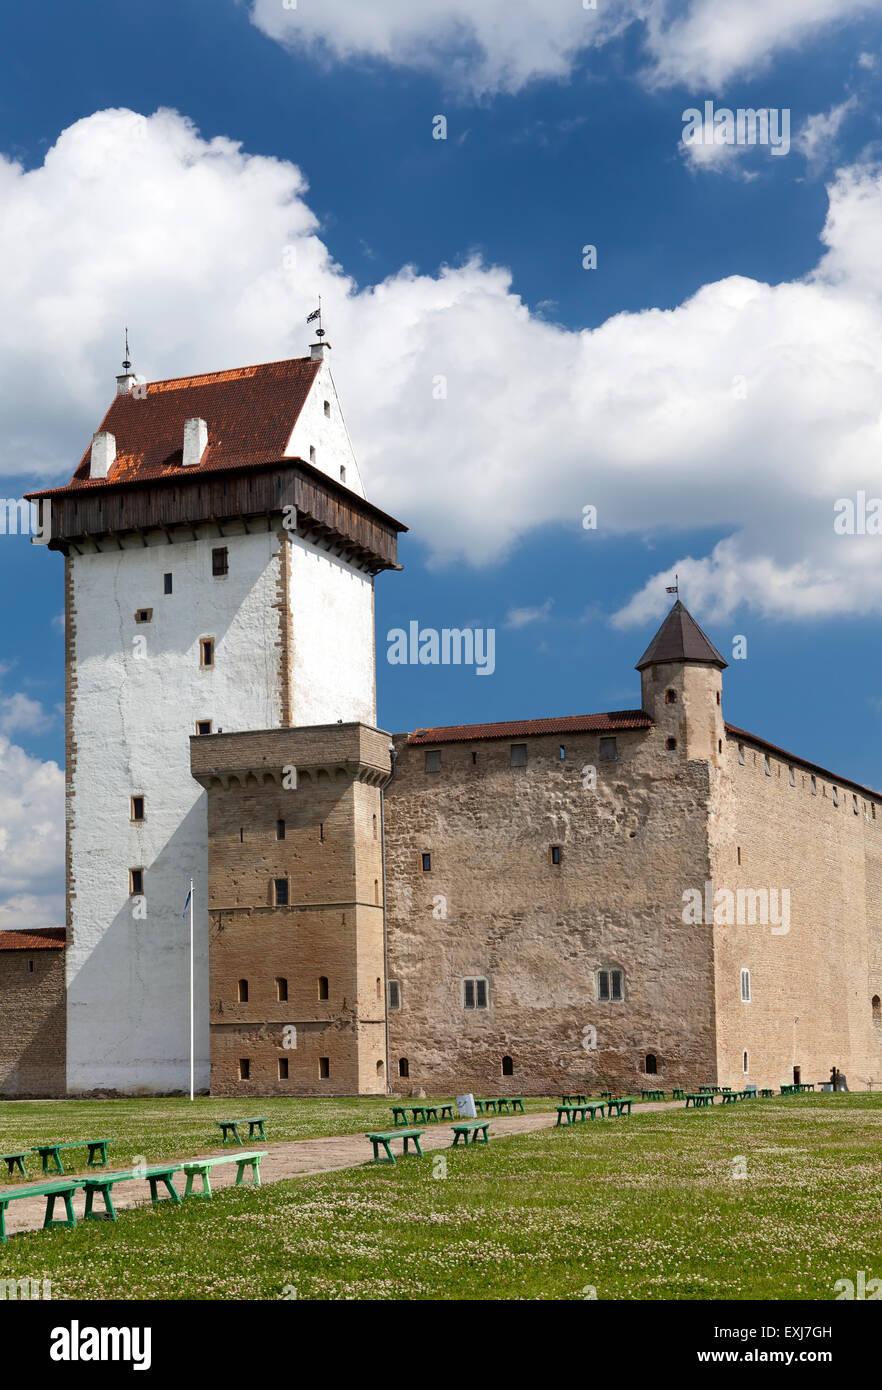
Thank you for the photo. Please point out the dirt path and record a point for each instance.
(287, 1160)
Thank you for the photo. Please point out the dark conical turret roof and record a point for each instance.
(680, 639)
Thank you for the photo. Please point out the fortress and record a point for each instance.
(555, 904)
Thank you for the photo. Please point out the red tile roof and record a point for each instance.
(40, 939)
(609, 722)
(250, 413)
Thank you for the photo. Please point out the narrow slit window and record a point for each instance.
(323, 987)
(280, 830)
(426, 861)
(555, 854)
(745, 986)
(220, 561)
(137, 808)
(244, 1068)
(243, 991)
(324, 1068)
(136, 882)
(403, 1067)
(166, 583)
(394, 994)
(280, 892)
(281, 989)
(206, 646)
(283, 1068)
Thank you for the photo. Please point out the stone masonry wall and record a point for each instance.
(32, 1010)
(493, 905)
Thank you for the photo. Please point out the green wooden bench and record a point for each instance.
(574, 1100)
(408, 1135)
(255, 1129)
(52, 1191)
(700, 1099)
(16, 1160)
(766, 1092)
(590, 1107)
(621, 1105)
(652, 1095)
(201, 1168)
(471, 1132)
(678, 1093)
(52, 1153)
(488, 1105)
(103, 1185)
(730, 1096)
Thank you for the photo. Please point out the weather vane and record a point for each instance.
(675, 587)
(317, 314)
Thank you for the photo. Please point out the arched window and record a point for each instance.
(507, 1066)
(379, 988)
(877, 1007)
(651, 1064)
(380, 1069)
(670, 697)
(243, 991)
(403, 1067)
(323, 987)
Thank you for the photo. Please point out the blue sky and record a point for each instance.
(567, 386)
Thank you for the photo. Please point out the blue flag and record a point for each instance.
(187, 903)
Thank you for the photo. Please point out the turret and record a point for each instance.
(681, 683)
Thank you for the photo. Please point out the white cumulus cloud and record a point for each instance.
(31, 840)
(481, 47)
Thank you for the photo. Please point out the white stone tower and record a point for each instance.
(219, 564)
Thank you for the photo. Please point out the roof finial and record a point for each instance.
(126, 363)
(317, 314)
(126, 380)
(318, 350)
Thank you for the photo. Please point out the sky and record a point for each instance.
(547, 287)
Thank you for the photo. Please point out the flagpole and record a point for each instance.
(192, 1015)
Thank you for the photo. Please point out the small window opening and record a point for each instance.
(474, 994)
(670, 697)
(280, 892)
(814, 786)
(244, 1068)
(137, 808)
(555, 854)
(651, 1066)
(877, 1008)
(323, 987)
(426, 860)
(281, 989)
(394, 994)
(741, 753)
(739, 853)
(745, 986)
(243, 991)
(791, 776)
(280, 830)
(144, 615)
(220, 561)
(166, 583)
(30, 967)
(203, 726)
(283, 1068)
(403, 1067)
(670, 744)
(312, 453)
(206, 645)
(507, 1066)
(324, 1068)
(342, 474)
(744, 1064)
(136, 882)
(327, 410)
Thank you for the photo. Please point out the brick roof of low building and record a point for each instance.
(609, 722)
(250, 413)
(39, 939)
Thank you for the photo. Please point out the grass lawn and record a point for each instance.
(158, 1129)
(643, 1208)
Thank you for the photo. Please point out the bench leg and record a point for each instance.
(254, 1165)
(97, 1156)
(19, 1164)
(205, 1190)
(55, 1156)
(485, 1138)
(256, 1132)
(108, 1214)
(173, 1195)
(69, 1219)
(3, 1206)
